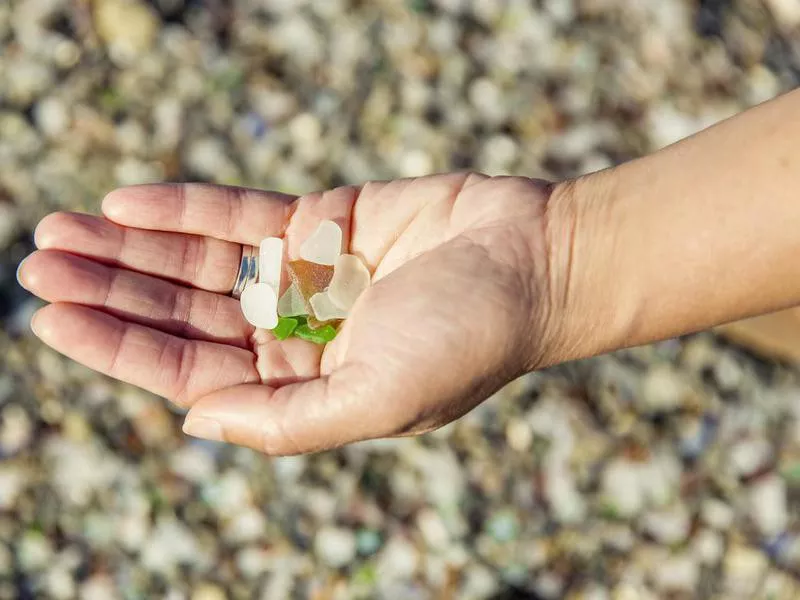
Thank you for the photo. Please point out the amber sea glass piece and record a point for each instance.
(309, 278)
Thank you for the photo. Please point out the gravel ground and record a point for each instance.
(669, 471)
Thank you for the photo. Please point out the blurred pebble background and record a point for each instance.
(669, 471)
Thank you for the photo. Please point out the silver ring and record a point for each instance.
(248, 271)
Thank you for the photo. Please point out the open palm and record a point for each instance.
(456, 310)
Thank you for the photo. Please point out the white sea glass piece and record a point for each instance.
(291, 304)
(270, 258)
(324, 309)
(350, 279)
(324, 245)
(260, 305)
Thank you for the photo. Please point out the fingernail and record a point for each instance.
(19, 270)
(33, 324)
(203, 428)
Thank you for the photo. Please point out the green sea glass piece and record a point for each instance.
(322, 335)
(285, 327)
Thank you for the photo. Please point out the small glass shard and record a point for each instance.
(270, 258)
(285, 327)
(324, 309)
(350, 278)
(309, 278)
(324, 245)
(315, 323)
(323, 335)
(291, 304)
(260, 305)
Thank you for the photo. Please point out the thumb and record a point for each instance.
(298, 418)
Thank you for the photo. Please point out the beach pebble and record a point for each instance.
(677, 574)
(335, 546)
(128, 27)
(668, 526)
(708, 547)
(749, 455)
(769, 505)
(743, 571)
(717, 514)
(398, 559)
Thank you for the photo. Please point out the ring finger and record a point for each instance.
(57, 276)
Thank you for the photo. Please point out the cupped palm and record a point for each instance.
(458, 305)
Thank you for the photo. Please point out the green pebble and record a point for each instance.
(323, 335)
(285, 327)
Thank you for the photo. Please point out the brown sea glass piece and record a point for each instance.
(315, 323)
(309, 278)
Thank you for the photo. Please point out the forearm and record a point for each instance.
(701, 233)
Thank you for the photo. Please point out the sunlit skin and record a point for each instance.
(476, 280)
(141, 294)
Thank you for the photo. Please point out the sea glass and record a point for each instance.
(323, 335)
(260, 305)
(350, 279)
(324, 245)
(292, 304)
(270, 257)
(324, 309)
(309, 278)
(285, 327)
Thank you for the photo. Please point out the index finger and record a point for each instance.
(234, 214)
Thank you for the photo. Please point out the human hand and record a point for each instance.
(461, 303)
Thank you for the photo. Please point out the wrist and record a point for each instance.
(592, 308)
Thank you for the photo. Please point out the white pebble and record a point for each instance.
(335, 546)
(519, 435)
(6, 561)
(260, 306)
(748, 456)
(621, 488)
(786, 12)
(768, 505)
(208, 591)
(291, 303)
(350, 278)
(324, 309)
(669, 526)
(415, 163)
(717, 514)
(677, 574)
(433, 529)
(270, 261)
(708, 547)
(12, 483)
(60, 584)
(98, 587)
(663, 390)
(566, 502)
(744, 569)
(324, 245)
(398, 560)
(34, 551)
(306, 129)
(52, 116)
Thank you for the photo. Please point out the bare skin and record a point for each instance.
(477, 280)
(458, 261)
